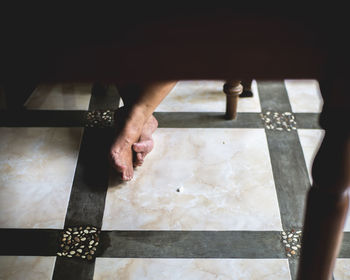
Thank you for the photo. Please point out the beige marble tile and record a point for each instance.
(304, 95)
(225, 179)
(342, 269)
(205, 96)
(37, 166)
(60, 97)
(28, 268)
(201, 269)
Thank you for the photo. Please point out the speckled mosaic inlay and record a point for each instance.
(80, 242)
(279, 121)
(291, 242)
(99, 118)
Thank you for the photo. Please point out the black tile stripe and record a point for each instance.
(290, 176)
(43, 118)
(104, 97)
(287, 160)
(345, 246)
(89, 189)
(273, 96)
(77, 118)
(158, 244)
(191, 244)
(308, 120)
(29, 242)
(207, 120)
(86, 204)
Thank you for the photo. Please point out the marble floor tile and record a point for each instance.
(198, 179)
(37, 166)
(342, 269)
(28, 267)
(191, 269)
(304, 96)
(205, 96)
(60, 97)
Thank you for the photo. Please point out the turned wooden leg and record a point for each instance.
(328, 199)
(232, 89)
(247, 88)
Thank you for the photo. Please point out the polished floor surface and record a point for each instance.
(210, 202)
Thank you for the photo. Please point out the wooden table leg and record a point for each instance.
(328, 199)
(232, 89)
(247, 88)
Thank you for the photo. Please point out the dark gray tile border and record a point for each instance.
(287, 161)
(104, 97)
(290, 176)
(308, 120)
(293, 267)
(207, 120)
(87, 199)
(73, 269)
(29, 242)
(191, 244)
(287, 158)
(42, 118)
(89, 189)
(67, 118)
(273, 96)
(152, 244)
(345, 247)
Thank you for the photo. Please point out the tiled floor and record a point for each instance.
(206, 204)
(269, 269)
(60, 97)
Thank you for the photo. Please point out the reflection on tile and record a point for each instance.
(29, 268)
(201, 269)
(310, 140)
(205, 96)
(60, 97)
(37, 166)
(304, 95)
(342, 269)
(198, 179)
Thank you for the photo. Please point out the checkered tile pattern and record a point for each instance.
(198, 180)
